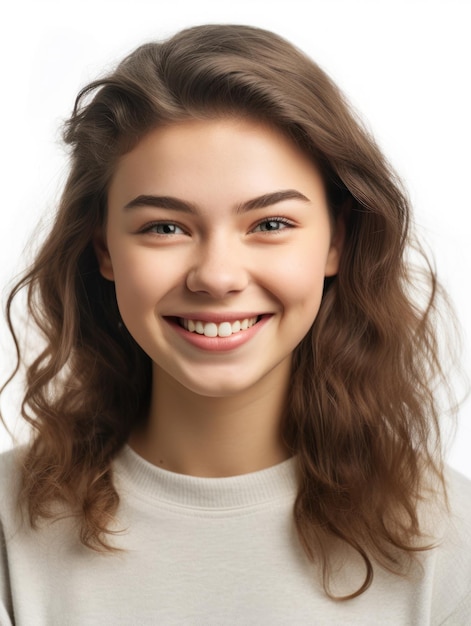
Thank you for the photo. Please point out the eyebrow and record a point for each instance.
(175, 204)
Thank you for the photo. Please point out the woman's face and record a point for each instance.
(218, 239)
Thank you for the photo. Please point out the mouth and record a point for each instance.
(224, 328)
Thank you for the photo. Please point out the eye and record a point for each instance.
(272, 224)
(163, 228)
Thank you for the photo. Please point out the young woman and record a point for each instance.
(232, 411)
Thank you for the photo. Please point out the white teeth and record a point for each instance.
(224, 329)
(235, 326)
(210, 330)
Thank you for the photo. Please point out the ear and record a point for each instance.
(102, 254)
(336, 247)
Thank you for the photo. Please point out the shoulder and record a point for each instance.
(10, 481)
(452, 562)
(10, 465)
(459, 485)
(458, 522)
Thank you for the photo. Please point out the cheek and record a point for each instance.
(138, 282)
(297, 278)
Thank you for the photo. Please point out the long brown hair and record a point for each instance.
(361, 417)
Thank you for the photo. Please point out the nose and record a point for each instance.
(219, 269)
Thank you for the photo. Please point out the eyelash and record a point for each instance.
(148, 228)
(278, 220)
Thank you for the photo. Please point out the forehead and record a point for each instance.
(213, 160)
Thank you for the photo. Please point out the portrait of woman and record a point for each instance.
(234, 391)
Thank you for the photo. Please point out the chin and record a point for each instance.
(216, 390)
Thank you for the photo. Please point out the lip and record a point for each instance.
(216, 318)
(218, 344)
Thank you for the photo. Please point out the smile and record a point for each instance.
(223, 329)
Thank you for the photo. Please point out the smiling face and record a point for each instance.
(218, 238)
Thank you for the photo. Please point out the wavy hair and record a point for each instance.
(361, 416)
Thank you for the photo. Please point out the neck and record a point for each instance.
(213, 436)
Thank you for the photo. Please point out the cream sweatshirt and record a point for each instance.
(214, 551)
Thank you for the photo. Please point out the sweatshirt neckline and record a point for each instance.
(246, 490)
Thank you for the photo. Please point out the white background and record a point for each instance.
(405, 66)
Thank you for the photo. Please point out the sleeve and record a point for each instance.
(6, 605)
(461, 615)
(453, 570)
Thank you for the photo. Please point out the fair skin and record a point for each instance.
(218, 238)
